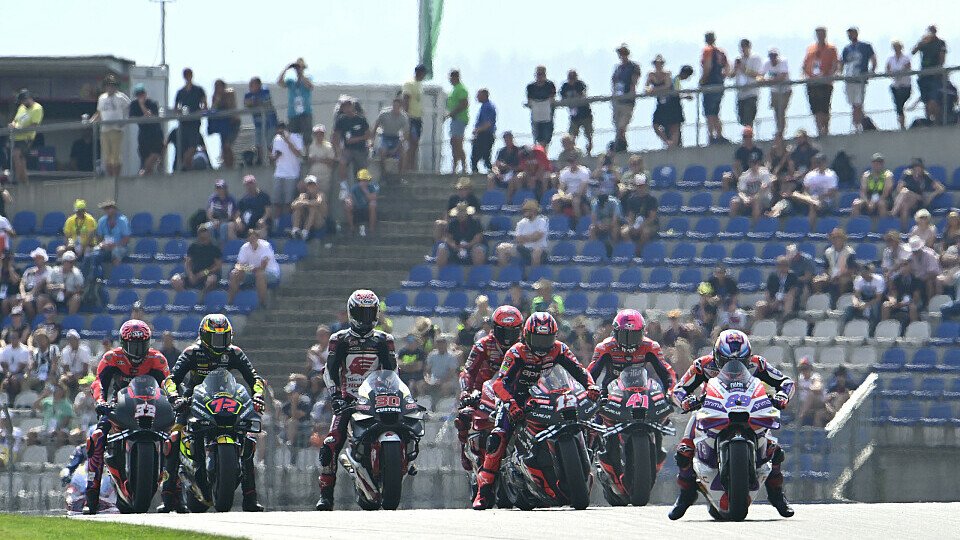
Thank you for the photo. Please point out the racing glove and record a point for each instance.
(593, 393)
(65, 476)
(258, 403)
(515, 411)
(104, 408)
(339, 403)
(181, 405)
(780, 400)
(690, 404)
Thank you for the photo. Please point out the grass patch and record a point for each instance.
(30, 527)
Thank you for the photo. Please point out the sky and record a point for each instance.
(495, 43)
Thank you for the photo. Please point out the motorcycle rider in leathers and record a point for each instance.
(213, 349)
(116, 369)
(482, 364)
(731, 346)
(537, 352)
(627, 346)
(353, 353)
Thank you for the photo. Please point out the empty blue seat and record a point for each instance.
(893, 359)
(478, 277)
(155, 301)
(53, 224)
(537, 273)
(670, 203)
(884, 224)
(121, 276)
(72, 322)
(123, 302)
(170, 225)
(770, 252)
(719, 171)
(750, 279)
(683, 254)
(947, 332)
(938, 173)
(284, 223)
(231, 249)
(396, 302)
(742, 253)
(664, 177)
(599, 278)
(723, 203)
(183, 301)
(653, 253)
(711, 254)
(594, 252)
(559, 226)
(930, 388)
(424, 303)
(161, 324)
(24, 222)
(562, 252)
(688, 280)
(941, 204)
(938, 414)
(150, 276)
(623, 252)
(245, 302)
(823, 227)
(898, 387)
(454, 304)
(575, 304)
(605, 306)
(763, 229)
(658, 280)
(418, 278)
(951, 360)
(174, 250)
(736, 228)
(568, 278)
(954, 182)
(845, 202)
(521, 196)
(547, 197)
(698, 204)
(214, 302)
(628, 280)
(858, 227)
(24, 247)
(866, 253)
(187, 328)
(908, 414)
(448, 277)
(492, 200)
(144, 250)
(141, 224)
(675, 228)
(924, 359)
(100, 327)
(293, 251)
(506, 276)
(53, 245)
(794, 228)
(583, 226)
(694, 177)
(498, 227)
(706, 228)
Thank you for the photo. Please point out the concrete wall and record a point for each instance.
(907, 474)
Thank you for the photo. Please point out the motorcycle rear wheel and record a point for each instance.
(194, 505)
(227, 470)
(575, 479)
(144, 458)
(738, 490)
(391, 474)
(638, 468)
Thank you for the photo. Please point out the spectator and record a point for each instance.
(893, 255)
(341, 323)
(876, 186)
(839, 390)
(753, 191)
(44, 362)
(915, 189)
(201, 266)
(393, 124)
(113, 233)
(317, 353)
(820, 63)
(933, 55)
(14, 362)
(256, 264)
(730, 318)
(253, 210)
(149, 134)
(55, 408)
(924, 229)
(228, 127)
(575, 182)
(75, 360)
(412, 94)
(923, 265)
(868, 295)
(775, 70)
(704, 312)
(9, 283)
(802, 154)
(819, 189)
(299, 100)
(900, 87)
(900, 303)
(639, 210)
(189, 100)
(606, 219)
(724, 285)
(747, 70)
(440, 372)
(265, 121)
(458, 111)
(361, 204)
(811, 395)
(580, 339)
(484, 132)
(840, 266)
(6, 233)
(168, 348)
(530, 237)
(541, 99)
(782, 289)
(29, 114)
(80, 229)
(546, 299)
(66, 283)
(581, 117)
(137, 312)
(287, 152)
(464, 239)
(677, 339)
(951, 232)
(805, 268)
(569, 150)
(742, 156)
(623, 83)
(660, 84)
(517, 298)
(506, 165)
(351, 135)
(857, 58)
(778, 160)
(48, 324)
(323, 159)
(714, 69)
(296, 414)
(18, 326)
(410, 359)
(309, 210)
(464, 194)
(81, 152)
(534, 174)
(34, 283)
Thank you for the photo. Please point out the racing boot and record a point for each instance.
(685, 500)
(171, 502)
(486, 494)
(779, 501)
(325, 503)
(248, 478)
(92, 505)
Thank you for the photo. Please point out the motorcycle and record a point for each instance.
(482, 404)
(221, 416)
(76, 496)
(548, 463)
(636, 416)
(735, 417)
(141, 418)
(384, 438)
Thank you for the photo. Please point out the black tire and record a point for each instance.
(612, 498)
(473, 487)
(714, 513)
(194, 505)
(522, 501)
(738, 490)
(575, 479)
(227, 470)
(503, 499)
(391, 474)
(638, 462)
(366, 504)
(143, 457)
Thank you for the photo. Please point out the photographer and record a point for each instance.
(299, 94)
(286, 153)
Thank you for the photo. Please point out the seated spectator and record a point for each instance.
(168, 348)
(464, 193)
(753, 191)
(530, 237)
(893, 256)
(410, 361)
(811, 395)
(393, 124)
(221, 211)
(923, 265)
(48, 325)
(868, 295)
(876, 185)
(782, 289)
(569, 150)
(606, 220)
(425, 331)
(778, 159)
(440, 374)
(66, 284)
(915, 190)
(75, 360)
(14, 363)
(732, 317)
(639, 210)
(342, 322)
(113, 233)
(533, 175)
(481, 311)
(202, 264)
(317, 353)
(899, 302)
(256, 264)
(805, 268)
(839, 390)
(951, 233)
(704, 312)
(384, 323)
(80, 229)
(949, 268)
(9, 283)
(34, 283)
(574, 180)
(742, 157)
(18, 325)
(838, 278)
(506, 165)
(295, 413)
(819, 190)
(801, 154)
(361, 203)
(724, 285)
(580, 339)
(309, 210)
(546, 299)
(253, 211)
(44, 362)
(463, 242)
(606, 176)
(517, 298)
(923, 229)
(55, 408)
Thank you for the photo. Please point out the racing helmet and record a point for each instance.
(363, 310)
(628, 328)
(135, 340)
(732, 345)
(540, 333)
(216, 333)
(507, 324)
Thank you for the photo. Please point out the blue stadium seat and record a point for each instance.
(562, 252)
(719, 171)
(599, 278)
(736, 229)
(653, 253)
(628, 280)
(947, 333)
(24, 222)
(498, 227)
(670, 203)
(53, 245)
(683, 254)
(396, 302)
(293, 251)
(951, 360)
(583, 226)
(448, 277)
(699, 203)
(150, 276)
(924, 359)
(187, 328)
(941, 204)
(664, 177)
(418, 278)
(658, 280)
(794, 228)
(938, 173)
(763, 229)
(711, 255)
(100, 327)
(174, 250)
(161, 324)
(245, 302)
(121, 276)
(183, 301)
(141, 224)
(694, 176)
(155, 301)
(866, 253)
(559, 226)
(522, 195)
(492, 297)
(938, 414)
(214, 302)
(24, 247)
(71, 322)
(568, 278)
(884, 224)
(898, 172)
(454, 304)
(930, 388)
(723, 203)
(144, 250)
(170, 225)
(575, 303)
(231, 249)
(424, 303)
(605, 306)
(537, 273)
(623, 252)
(675, 228)
(492, 200)
(506, 276)
(123, 302)
(953, 392)
(52, 224)
(750, 279)
(908, 414)
(742, 253)
(284, 224)
(478, 277)
(893, 359)
(770, 252)
(954, 182)
(823, 227)
(546, 198)
(687, 281)
(845, 202)
(594, 252)
(858, 227)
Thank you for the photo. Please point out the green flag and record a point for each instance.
(431, 11)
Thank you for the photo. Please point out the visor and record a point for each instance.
(219, 341)
(506, 335)
(629, 339)
(541, 343)
(364, 315)
(136, 349)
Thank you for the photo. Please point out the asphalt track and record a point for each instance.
(847, 521)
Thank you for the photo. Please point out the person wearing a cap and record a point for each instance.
(309, 210)
(574, 180)
(665, 120)
(820, 61)
(392, 126)
(782, 289)
(458, 111)
(869, 290)
(264, 122)
(112, 105)
(606, 218)
(484, 132)
(464, 194)
(202, 265)
(463, 242)
(149, 135)
(876, 185)
(299, 99)
(742, 156)
(714, 69)
(360, 206)
(775, 70)
(923, 265)
(857, 61)
(253, 210)
(753, 190)
(623, 82)
(546, 299)
(915, 189)
(412, 95)
(75, 359)
(190, 99)
(322, 159)
(66, 283)
(529, 239)
(113, 233)
(639, 209)
(820, 187)
(287, 151)
(506, 165)
(581, 117)
(747, 69)
(410, 359)
(840, 266)
(29, 114)
(933, 54)
(80, 228)
(351, 139)
(34, 283)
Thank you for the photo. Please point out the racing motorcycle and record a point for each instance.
(732, 424)
(548, 463)
(635, 416)
(142, 418)
(221, 416)
(482, 403)
(384, 438)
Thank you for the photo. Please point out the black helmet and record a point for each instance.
(363, 310)
(216, 333)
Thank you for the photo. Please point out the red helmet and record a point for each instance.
(507, 322)
(540, 333)
(628, 329)
(135, 340)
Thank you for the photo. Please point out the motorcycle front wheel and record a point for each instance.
(738, 490)
(638, 468)
(144, 482)
(227, 470)
(575, 478)
(391, 474)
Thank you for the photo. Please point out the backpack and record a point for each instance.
(843, 166)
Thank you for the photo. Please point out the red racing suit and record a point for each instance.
(481, 365)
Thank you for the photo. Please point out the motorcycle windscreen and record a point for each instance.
(143, 387)
(633, 376)
(383, 381)
(735, 375)
(219, 380)
(558, 380)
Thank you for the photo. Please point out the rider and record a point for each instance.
(482, 364)
(117, 368)
(731, 345)
(627, 346)
(213, 349)
(353, 353)
(537, 352)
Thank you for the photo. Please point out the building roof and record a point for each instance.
(62, 65)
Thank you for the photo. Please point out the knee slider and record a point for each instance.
(493, 442)
(326, 454)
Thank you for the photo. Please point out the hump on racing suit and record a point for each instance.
(705, 368)
(197, 361)
(115, 371)
(609, 360)
(521, 369)
(483, 362)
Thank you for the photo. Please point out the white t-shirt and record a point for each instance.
(753, 63)
(322, 171)
(770, 71)
(818, 184)
(5, 227)
(15, 359)
(526, 226)
(894, 65)
(871, 289)
(115, 107)
(750, 184)
(571, 181)
(288, 164)
(251, 258)
(75, 360)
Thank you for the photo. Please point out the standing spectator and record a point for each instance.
(868, 294)
(747, 69)
(201, 266)
(775, 70)
(81, 152)
(876, 185)
(256, 264)
(606, 220)
(393, 124)
(309, 210)
(296, 414)
(623, 83)
(75, 359)
(34, 283)
(640, 210)
(253, 210)
(714, 69)
(660, 84)
(412, 94)
(410, 359)
(18, 327)
(29, 114)
(933, 55)
(781, 292)
(900, 87)
(351, 135)
(7, 234)
(228, 127)
(746, 152)
(221, 210)
(464, 239)
(113, 233)
(753, 191)
(44, 362)
(323, 159)
(581, 117)
(168, 348)
(299, 100)
(440, 371)
(724, 285)
(189, 100)
(857, 58)
(541, 98)
(317, 353)
(14, 362)
(506, 165)
(530, 238)
(484, 132)
(66, 283)
(574, 180)
(287, 152)
(820, 62)
(265, 121)
(149, 134)
(458, 111)
(80, 229)
(840, 266)
(915, 189)
(924, 229)
(361, 203)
